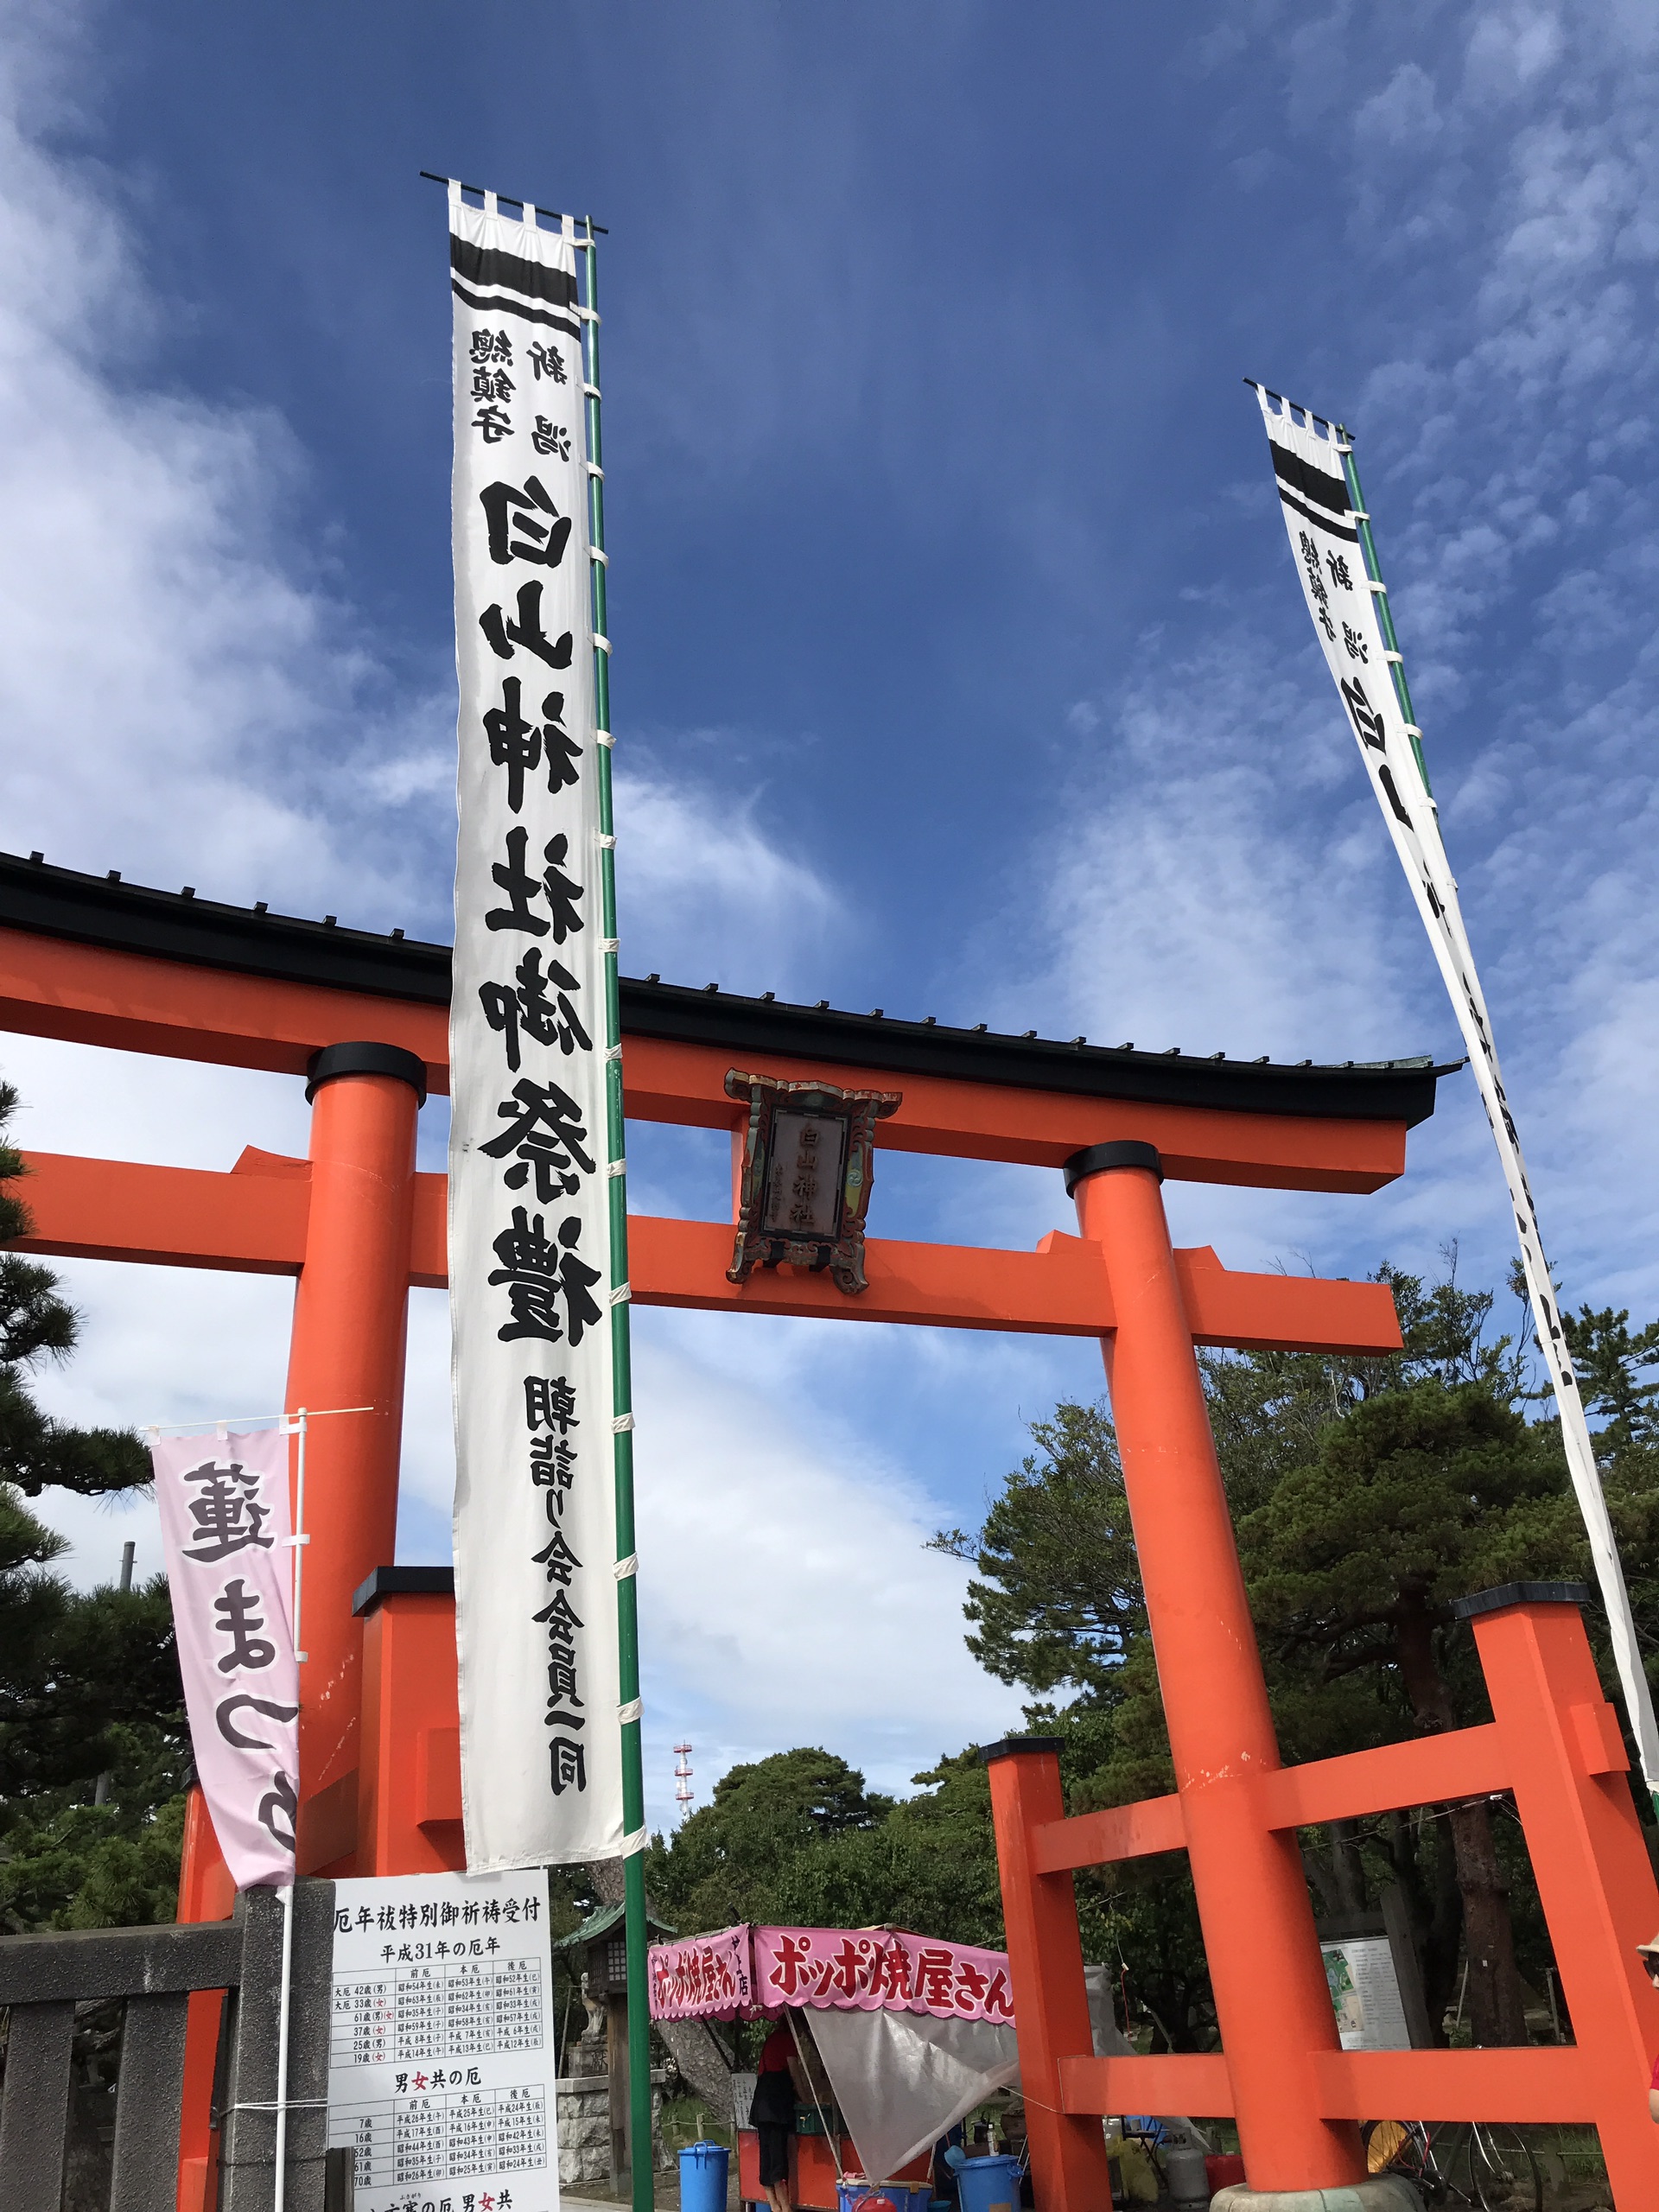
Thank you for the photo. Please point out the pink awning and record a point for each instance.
(743, 1972)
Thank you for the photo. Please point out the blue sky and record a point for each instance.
(959, 665)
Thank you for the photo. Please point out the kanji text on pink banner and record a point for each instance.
(227, 1526)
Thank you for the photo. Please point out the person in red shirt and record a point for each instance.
(771, 2114)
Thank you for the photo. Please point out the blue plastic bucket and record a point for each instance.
(703, 2176)
(990, 2184)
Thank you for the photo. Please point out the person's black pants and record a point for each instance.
(774, 2152)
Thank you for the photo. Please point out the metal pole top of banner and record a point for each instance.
(507, 201)
(242, 1421)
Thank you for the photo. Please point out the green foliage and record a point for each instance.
(89, 1680)
(796, 1839)
(726, 1863)
(1608, 1359)
(1414, 1497)
(1058, 1599)
(37, 1323)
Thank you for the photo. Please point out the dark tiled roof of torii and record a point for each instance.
(97, 910)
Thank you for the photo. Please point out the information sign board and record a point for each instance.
(1365, 1991)
(441, 2058)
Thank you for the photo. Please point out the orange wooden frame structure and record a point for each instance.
(99, 962)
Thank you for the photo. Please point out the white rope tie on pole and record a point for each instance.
(605, 841)
(603, 737)
(627, 1567)
(618, 1168)
(595, 554)
(630, 1711)
(600, 644)
(621, 1424)
(622, 1293)
(634, 1843)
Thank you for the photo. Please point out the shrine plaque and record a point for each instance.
(442, 2055)
(803, 1186)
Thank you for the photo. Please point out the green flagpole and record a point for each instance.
(1379, 592)
(627, 1604)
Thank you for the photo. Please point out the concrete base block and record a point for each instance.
(1382, 2193)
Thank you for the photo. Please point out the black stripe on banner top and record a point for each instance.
(1315, 484)
(1320, 522)
(495, 306)
(485, 264)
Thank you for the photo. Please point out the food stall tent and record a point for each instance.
(913, 2033)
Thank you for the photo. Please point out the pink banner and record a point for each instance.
(859, 1971)
(225, 1522)
(709, 1977)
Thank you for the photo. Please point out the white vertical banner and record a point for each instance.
(1345, 599)
(225, 1522)
(529, 1240)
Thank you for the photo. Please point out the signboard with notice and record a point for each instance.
(441, 2059)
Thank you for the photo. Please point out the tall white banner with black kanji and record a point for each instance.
(535, 1519)
(1343, 593)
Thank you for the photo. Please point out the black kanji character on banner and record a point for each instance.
(521, 887)
(569, 1765)
(227, 1514)
(491, 346)
(547, 361)
(537, 1005)
(537, 1272)
(527, 631)
(1317, 591)
(225, 1719)
(242, 1622)
(556, 1556)
(549, 437)
(1358, 649)
(494, 423)
(560, 1619)
(516, 745)
(549, 1402)
(1368, 723)
(1337, 564)
(562, 893)
(545, 1130)
(562, 1680)
(492, 384)
(279, 1809)
(515, 533)
(552, 1468)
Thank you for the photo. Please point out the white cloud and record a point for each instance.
(709, 896)
(785, 1592)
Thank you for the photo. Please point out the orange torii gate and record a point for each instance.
(364, 1020)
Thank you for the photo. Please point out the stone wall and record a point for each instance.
(584, 2120)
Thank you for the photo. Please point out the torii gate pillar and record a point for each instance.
(351, 1326)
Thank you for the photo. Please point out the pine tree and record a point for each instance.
(89, 1680)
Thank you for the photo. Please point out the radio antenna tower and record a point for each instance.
(684, 1795)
